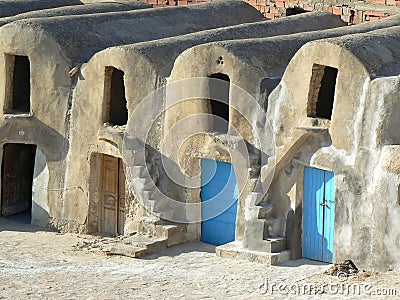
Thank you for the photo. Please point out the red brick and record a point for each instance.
(270, 15)
(374, 18)
(337, 11)
(280, 3)
(375, 13)
(274, 10)
(377, 1)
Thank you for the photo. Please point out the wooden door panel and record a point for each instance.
(113, 195)
(108, 220)
(109, 174)
(121, 221)
(17, 177)
(109, 200)
(121, 185)
(121, 190)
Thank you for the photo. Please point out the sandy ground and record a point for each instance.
(35, 264)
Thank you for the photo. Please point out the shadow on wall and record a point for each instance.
(30, 130)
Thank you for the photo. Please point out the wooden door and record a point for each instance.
(318, 215)
(17, 176)
(121, 197)
(112, 212)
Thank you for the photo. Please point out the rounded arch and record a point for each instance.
(293, 102)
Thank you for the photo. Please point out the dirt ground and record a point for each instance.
(35, 264)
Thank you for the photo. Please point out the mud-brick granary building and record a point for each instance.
(44, 50)
(91, 145)
(337, 152)
(269, 224)
(206, 122)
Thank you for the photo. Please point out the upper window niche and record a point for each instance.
(18, 84)
(219, 101)
(322, 91)
(117, 111)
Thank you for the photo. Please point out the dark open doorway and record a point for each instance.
(322, 91)
(219, 100)
(118, 112)
(17, 178)
(19, 86)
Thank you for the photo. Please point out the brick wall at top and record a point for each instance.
(350, 11)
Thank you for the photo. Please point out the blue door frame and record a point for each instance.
(219, 196)
(318, 214)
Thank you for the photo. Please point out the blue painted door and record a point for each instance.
(219, 196)
(318, 214)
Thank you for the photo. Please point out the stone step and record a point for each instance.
(153, 194)
(139, 157)
(260, 211)
(133, 144)
(136, 246)
(135, 170)
(145, 170)
(145, 183)
(235, 250)
(254, 198)
(175, 234)
(256, 185)
(150, 226)
(264, 210)
(156, 207)
(125, 250)
(254, 171)
(165, 214)
(274, 245)
(152, 244)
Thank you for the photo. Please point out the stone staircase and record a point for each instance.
(145, 180)
(150, 238)
(155, 230)
(259, 243)
(273, 254)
